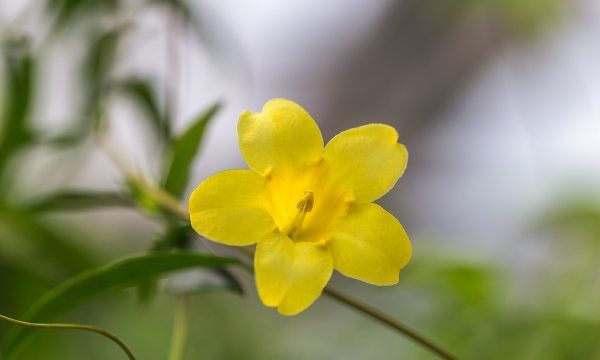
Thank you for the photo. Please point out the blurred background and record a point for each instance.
(498, 102)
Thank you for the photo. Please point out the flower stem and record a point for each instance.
(382, 317)
(89, 328)
(181, 329)
(168, 202)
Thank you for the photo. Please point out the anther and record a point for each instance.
(304, 207)
(306, 204)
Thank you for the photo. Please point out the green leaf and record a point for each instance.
(176, 236)
(19, 87)
(69, 10)
(142, 93)
(78, 200)
(101, 54)
(185, 150)
(96, 69)
(120, 274)
(188, 282)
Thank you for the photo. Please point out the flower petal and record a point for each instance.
(366, 160)
(230, 207)
(369, 244)
(283, 135)
(289, 275)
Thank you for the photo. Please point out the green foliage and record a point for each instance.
(68, 11)
(70, 200)
(579, 213)
(51, 243)
(528, 16)
(19, 89)
(185, 149)
(472, 284)
(520, 17)
(180, 237)
(142, 93)
(97, 67)
(123, 273)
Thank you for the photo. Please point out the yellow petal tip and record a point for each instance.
(288, 312)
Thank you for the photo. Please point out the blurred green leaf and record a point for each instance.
(530, 16)
(101, 54)
(19, 89)
(189, 282)
(55, 245)
(65, 140)
(472, 284)
(576, 220)
(522, 17)
(78, 200)
(185, 149)
(122, 273)
(577, 212)
(176, 236)
(142, 93)
(96, 70)
(67, 11)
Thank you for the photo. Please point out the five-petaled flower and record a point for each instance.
(307, 206)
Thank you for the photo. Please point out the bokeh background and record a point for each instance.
(498, 102)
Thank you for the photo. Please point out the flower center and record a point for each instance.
(304, 206)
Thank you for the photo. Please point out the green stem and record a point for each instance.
(384, 318)
(89, 328)
(169, 203)
(181, 329)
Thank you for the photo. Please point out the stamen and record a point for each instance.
(304, 206)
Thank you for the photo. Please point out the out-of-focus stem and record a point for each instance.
(181, 329)
(89, 328)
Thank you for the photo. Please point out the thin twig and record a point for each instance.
(89, 328)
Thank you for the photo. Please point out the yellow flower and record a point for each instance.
(308, 207)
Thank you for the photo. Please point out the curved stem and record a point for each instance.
(168, 202)
(382, 317)
(89, 328)
(181, 329)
